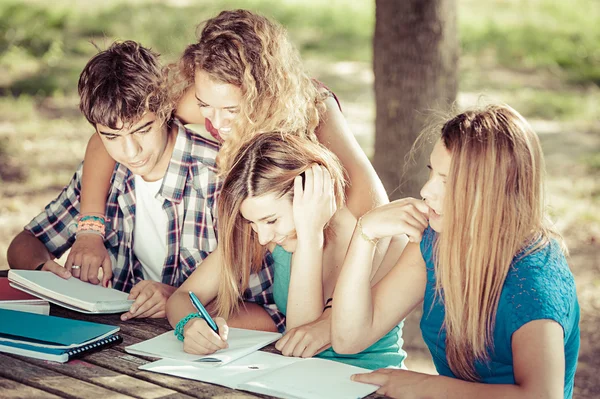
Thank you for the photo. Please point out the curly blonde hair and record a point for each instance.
(251, 52)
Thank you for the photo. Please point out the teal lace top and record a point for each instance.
(538, 286)
(387, 352)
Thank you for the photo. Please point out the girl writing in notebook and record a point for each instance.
(500, 314)
(284, 194)
(242, 77)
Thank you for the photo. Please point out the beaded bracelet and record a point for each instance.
(179, 327)
(91, 224)
(373, 241)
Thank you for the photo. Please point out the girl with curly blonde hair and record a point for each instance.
(242, 78)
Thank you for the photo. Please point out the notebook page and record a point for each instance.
(74, 292)
(230, 375)
(241, 343)
(311, 379)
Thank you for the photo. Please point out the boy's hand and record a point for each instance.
(93, 260)
(200, 339)
(150, 300)
(52, 266)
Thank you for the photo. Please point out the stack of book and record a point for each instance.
(14, 299)
(52, 338)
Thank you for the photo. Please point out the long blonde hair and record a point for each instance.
(251, 52)
(268, 163)
(493, 210)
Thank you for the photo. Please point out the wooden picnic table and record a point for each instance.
(109, 373)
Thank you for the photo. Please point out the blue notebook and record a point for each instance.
(52, 338)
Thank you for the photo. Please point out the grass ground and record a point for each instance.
(540, 56)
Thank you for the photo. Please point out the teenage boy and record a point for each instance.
(160, 211)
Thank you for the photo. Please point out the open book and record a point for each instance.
(72, 293)
(52, 338)
(241, 343)
(275, 375)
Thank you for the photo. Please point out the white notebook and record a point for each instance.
(241, 343)
(275, 375)
(71, 293)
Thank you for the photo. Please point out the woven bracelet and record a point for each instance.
(91, 224)
(179, 327)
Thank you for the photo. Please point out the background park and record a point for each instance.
(540, 56)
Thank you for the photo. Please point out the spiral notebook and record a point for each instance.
(70, 293)
(52, 338)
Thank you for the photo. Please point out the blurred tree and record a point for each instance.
(415, 62)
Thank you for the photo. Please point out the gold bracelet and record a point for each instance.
(373, 241)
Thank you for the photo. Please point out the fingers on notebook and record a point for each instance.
(223, 327)
(150, 300)
(52, 266)
(106, 273)
(199, 338)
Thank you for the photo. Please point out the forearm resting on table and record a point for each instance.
(353, 309)
(252, 316)
(453, 388)
(305, 294)
(27, 252)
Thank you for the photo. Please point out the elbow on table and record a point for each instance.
(344, 344)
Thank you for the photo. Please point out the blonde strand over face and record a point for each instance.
(493, 210)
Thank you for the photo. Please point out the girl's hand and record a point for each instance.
(200, 339)
(90, 254)
(307, 340)
(395, 383)
(313, 205)
(405, 216)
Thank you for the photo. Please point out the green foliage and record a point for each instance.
(560, 36)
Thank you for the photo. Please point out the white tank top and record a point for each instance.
(150, 229)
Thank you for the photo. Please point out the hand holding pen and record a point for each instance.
(203, 335)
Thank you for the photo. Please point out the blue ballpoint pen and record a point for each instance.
(202, 311)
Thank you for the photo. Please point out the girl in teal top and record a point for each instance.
(285, 195)
(500, 311)
(383, 353)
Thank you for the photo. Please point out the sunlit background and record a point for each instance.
(540, 56)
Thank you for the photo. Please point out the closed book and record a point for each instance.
(70, 293)
(14, 299)
(58, 355)
(50, 337)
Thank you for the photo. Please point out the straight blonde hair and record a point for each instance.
(268, 163)
(493, 210)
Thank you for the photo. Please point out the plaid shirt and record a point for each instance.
(190, 188)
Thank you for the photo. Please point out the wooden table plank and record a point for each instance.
(12, 390)
(127, 364)
(52, 381)
(125, 383)
(110, 373)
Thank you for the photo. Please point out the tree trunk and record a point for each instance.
(415, 62)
